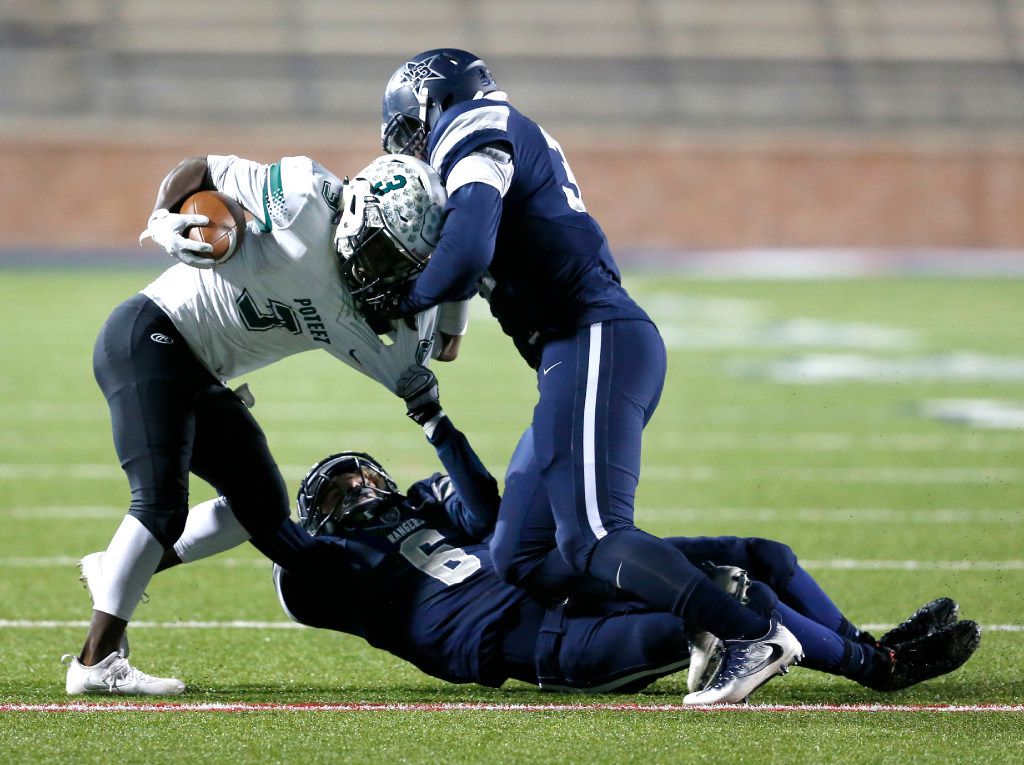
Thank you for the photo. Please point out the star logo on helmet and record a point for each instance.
(417, 73)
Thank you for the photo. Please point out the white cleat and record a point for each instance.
(91, 567)
(705, 658)
(115, 676)
(748, 664)
(705, 648)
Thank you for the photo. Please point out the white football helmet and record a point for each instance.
(394, 211)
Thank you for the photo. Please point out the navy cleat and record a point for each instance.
(915, 661)
(929, 618)
(746, 665)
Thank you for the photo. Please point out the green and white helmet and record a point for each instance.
(391, 223)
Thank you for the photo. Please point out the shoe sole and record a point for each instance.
(943, 615)
(783, 670)
(698, 677)
(966, 644)
(964, 639)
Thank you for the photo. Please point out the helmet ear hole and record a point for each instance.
(447, 101)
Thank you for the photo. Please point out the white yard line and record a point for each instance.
(739, 440)
(242, 624)
(233, 624)
(834, 515)
(870, 475)
(93, 471)
(57, 561)
(838, 564)
(50, 512)
(914, 565)
(660, 472)
(681, 514)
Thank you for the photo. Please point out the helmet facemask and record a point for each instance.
(405, 134)
(373, 259)
(389, 226)
(347, 491)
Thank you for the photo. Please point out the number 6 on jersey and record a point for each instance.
(426, 551)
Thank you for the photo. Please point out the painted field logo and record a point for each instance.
(158, 337)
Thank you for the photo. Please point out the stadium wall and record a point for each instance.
(96, 193)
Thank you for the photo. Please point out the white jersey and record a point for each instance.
(282, 292)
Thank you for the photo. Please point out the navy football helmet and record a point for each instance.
(365, 498)
(421, 89)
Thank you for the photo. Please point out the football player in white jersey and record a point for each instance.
(163, 357)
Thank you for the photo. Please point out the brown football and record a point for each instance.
(226, 227)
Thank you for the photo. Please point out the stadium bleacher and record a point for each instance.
(745, 64)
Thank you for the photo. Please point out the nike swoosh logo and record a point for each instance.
(552, 367)
(93, 685)
(769, 659)
(352, 353)
(618, 572)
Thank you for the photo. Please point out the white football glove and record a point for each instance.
(165, 229)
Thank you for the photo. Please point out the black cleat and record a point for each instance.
(929, 618)
(915, 661)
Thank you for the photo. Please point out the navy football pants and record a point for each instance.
(618, 646)
(581, 456)
(625, 645)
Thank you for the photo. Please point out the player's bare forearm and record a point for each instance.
(190, 176)
(449, 347)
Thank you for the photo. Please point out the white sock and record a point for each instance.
(211, 528)
(128, 564)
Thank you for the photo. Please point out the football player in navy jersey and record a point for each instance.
(417, 580)
(518, 232)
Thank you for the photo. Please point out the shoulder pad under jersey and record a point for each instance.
(483, 122)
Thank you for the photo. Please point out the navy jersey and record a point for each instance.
(421, 587)
(552, 271)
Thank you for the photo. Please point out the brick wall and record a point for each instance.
(94, 193)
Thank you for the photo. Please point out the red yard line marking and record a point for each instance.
(486, 707)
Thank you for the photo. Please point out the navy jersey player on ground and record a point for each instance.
(417, 581)
(517, 229)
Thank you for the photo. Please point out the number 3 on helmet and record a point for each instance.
(391, 223)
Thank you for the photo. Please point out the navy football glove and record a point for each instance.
(418, 388)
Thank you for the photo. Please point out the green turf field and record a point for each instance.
(766, 427)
